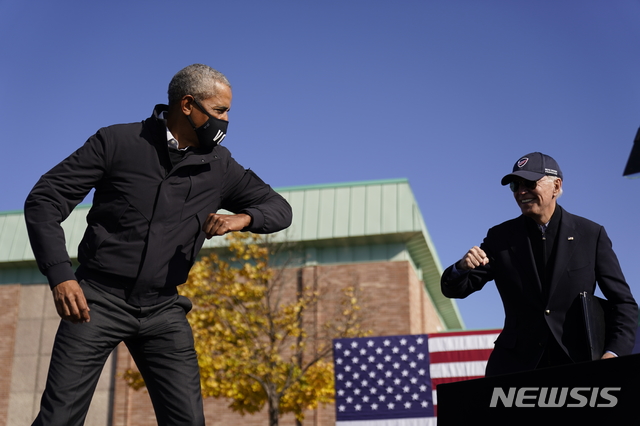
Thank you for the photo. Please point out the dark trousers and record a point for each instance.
(161, 343)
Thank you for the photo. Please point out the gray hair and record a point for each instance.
(553, 179)
(196, 80)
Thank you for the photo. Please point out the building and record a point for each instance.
(369, 231)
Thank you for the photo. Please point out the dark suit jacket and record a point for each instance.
(584, 256)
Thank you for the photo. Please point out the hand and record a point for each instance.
(608, 355)
(475, 257)
(70, 302)
(220, 224)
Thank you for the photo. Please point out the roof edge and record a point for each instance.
(342, 184)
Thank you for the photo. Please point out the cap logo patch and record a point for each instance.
(551, 172)
(521, 162)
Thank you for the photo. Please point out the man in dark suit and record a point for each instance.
(540, 262)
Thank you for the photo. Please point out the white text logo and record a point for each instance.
(554, 397)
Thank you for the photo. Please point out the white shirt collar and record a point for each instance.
(172, 142)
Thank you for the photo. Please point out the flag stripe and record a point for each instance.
(461, 343)
(453, 356)
(442, 380)
(458, 369)
(466, 333)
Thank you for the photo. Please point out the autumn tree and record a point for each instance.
(257, 333)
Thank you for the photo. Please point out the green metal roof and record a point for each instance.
(334, 221)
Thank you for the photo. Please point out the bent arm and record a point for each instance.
(51, 201)
(460, 284)
(469, 274)
(244, 192)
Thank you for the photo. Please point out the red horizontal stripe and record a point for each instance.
(441, 380)
(465, 333)
(460, 356)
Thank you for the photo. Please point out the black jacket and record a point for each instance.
(145, 225)
(584, 256)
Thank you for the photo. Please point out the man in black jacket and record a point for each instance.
(158, 187)
(540, 262)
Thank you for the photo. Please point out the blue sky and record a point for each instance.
(448, 94)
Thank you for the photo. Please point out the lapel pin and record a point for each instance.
(570, 238)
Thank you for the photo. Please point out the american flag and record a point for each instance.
(391, 380)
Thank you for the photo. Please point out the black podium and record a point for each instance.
(590, 393)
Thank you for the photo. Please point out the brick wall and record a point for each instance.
(28, 323)
(9, 301)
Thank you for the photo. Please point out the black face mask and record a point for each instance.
(212, 132)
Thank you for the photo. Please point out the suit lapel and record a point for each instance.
(522, 257)
(567, 241)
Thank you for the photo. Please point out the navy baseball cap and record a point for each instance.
(533, 167)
